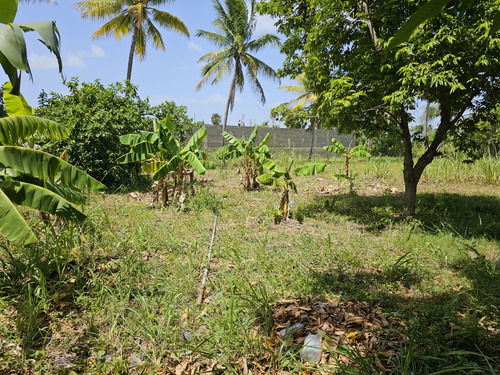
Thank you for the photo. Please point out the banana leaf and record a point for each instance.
(19, 129)
(168, 167)
(310, 169)
(194, 162)
(142, 151)
(12, 224)
(194, 143)
(15, 105)
(361, 150)
(337, 147)
(45, 166)
(37, 197)
(270, 179)
(50, 36)
(9, 10)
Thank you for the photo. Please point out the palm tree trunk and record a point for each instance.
(131, 54)
(230, 100)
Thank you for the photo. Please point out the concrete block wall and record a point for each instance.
(280, 139)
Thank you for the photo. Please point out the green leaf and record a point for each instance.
(264, 141)
(337, 147)
(168, 167)
(19, 129)
(194, 162)
(253, 135)
(429, 10)
(15, 105)
(270, 179)
(45, 166)
(50, 37)
(12, 224)
(9, 10)
(39, 198)
(143, 136)
(310, 169)
(13, 46)
(361, 151)
(272, 166)
(194, 143)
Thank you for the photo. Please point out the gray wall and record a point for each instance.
(297, 140)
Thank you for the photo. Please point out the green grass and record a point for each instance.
(118, 293)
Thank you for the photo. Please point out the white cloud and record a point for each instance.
(42, 62)
(74, 60)
(265, 24)
(77, 59)
(193, 46)
(97, 51)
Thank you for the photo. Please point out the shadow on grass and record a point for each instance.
(449, 321)
(467, 216)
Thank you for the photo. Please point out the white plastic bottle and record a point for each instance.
(312, 348)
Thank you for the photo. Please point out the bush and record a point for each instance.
(96, 116)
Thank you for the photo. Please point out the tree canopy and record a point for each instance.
(341, 46)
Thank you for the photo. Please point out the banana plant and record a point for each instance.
(171, 165)
(279, 176)
(34, 178)
(13, 53)
(251, 156)
(338, 148)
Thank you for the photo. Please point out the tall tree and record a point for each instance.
(235, 24)
(450, 60)
(135, 16)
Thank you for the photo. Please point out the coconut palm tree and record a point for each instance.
(306, 97)
(235, 24)
(134, 16)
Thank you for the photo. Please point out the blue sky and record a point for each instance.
(169, 75)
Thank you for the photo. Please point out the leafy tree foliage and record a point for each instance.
(215, 119)
(135, 16)
(183, 125)
(96, 116)
(451, 60)
(235, 25)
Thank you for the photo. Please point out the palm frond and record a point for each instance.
(99, 9)
(118, 26)
(154, 34)
(169, 21)
(263, 41)
(214, 38)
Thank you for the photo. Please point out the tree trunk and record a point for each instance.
(408, 168)
(230, 100)
(369, 23)
(412, 172)
(131, 54)
(425, 135)
(313, 137)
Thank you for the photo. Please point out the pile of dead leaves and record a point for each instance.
(349, 330)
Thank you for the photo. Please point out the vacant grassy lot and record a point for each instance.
(118, 293)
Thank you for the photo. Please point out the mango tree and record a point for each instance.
(33, 178)
(338, 148)
(251, 156)
(282, 177)
(171, 165)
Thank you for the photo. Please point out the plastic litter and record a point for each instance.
(312, 348)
